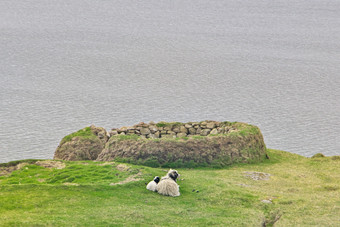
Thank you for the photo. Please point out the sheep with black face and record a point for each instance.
(153, 184)
(168, 184)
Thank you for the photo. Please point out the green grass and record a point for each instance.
(85, 133)
(305, 191)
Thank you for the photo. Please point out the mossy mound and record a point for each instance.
(85, 144)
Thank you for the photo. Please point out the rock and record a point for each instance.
(176, 129)
(113, 133)
(152, 123)
(171, 133)
(122, 129)
(183, 130)
(205, 132)
(220, 130)
(145, 131)
(168, 128)
(86, 144)
(157, 134)
(181, 134)
(203, 125)
(211, 125)
(188, 126)
(198, 131)
(192, 131)
(153, 128)
(151, 136)
(214, 131)
(266, 201)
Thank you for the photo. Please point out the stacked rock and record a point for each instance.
(174, 129)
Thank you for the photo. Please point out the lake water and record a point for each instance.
(67, 64)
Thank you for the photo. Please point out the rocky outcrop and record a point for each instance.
(86, 144)
(206, 143)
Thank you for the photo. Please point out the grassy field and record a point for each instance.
(299, 192)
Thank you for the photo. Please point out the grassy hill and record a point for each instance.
(289, 189)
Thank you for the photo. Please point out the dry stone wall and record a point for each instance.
(175, 129)
(168, 144)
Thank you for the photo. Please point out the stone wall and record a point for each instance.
(164, 144)
(175, 129)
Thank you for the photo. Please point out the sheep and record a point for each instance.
(152, 184)
(168, 186)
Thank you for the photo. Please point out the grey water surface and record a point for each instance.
(67, 64)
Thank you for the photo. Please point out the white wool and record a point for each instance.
(151, 186)
(168, 187)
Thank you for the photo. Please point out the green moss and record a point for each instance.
(165, 124)
(318, 155)
(85, 133)
(127, 137)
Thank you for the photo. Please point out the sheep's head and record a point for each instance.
(156, 179)
(173, 174)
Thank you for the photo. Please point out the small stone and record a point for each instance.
(266, 201)
(220, 130)
(122, 129)
(181, 134)
(192, 131)
(176, 129)
(193, 190)
(171, 133)
(152, 123)
(113, 133)
(153, 128)
(205, 132)
(198, 131)
(122, 133)
(183, 129)
(168, 128)
(214, 131)
(145, 131)
(157, 134)
(211, 125)
(188, 126)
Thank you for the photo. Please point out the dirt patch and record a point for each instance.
(135, 177)
(8, 170)
(122, 167)
(51, 164)
(258, 175)
(106, 164)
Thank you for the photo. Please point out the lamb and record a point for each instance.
(152, 184)
(168, 186)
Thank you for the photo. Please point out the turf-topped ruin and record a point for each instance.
(164, 144)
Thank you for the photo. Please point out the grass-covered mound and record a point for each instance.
(287, 188)
(85, 144)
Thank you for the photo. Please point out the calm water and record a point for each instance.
(67, 64)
